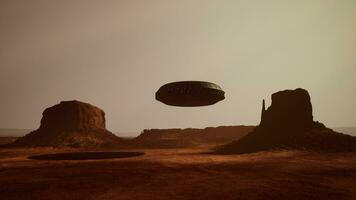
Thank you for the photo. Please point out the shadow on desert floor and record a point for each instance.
(85, 155)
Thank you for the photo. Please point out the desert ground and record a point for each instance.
(188, 173)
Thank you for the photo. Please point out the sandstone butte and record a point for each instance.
(70, 124)
(288, 124)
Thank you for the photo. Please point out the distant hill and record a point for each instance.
(175, 138)
(8, 132)
(346, 130)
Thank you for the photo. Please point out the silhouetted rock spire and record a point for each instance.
(263, 110)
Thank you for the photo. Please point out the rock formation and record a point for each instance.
(70, 123)
(73, 115)
(290, 110)
(288, 123)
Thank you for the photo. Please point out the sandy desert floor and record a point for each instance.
(179, 174)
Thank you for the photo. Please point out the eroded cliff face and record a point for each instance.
(288, 123)
(73, 124)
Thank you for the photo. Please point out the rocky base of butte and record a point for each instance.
(288, 124)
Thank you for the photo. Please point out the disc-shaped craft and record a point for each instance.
(190, 93)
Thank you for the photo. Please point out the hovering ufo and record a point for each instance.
(190, 93)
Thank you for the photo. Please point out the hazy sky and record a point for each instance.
(116, 54)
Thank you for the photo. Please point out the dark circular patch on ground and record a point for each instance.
(85, 155)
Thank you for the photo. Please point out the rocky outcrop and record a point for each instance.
(70, 123)
(288, 123)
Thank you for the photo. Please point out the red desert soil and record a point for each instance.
(180, 174)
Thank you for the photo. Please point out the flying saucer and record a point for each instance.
(190, 93)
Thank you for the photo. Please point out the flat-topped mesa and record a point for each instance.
(290, 110)
(73, 115)
(70, 124)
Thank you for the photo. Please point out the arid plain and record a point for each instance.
(185, 173)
